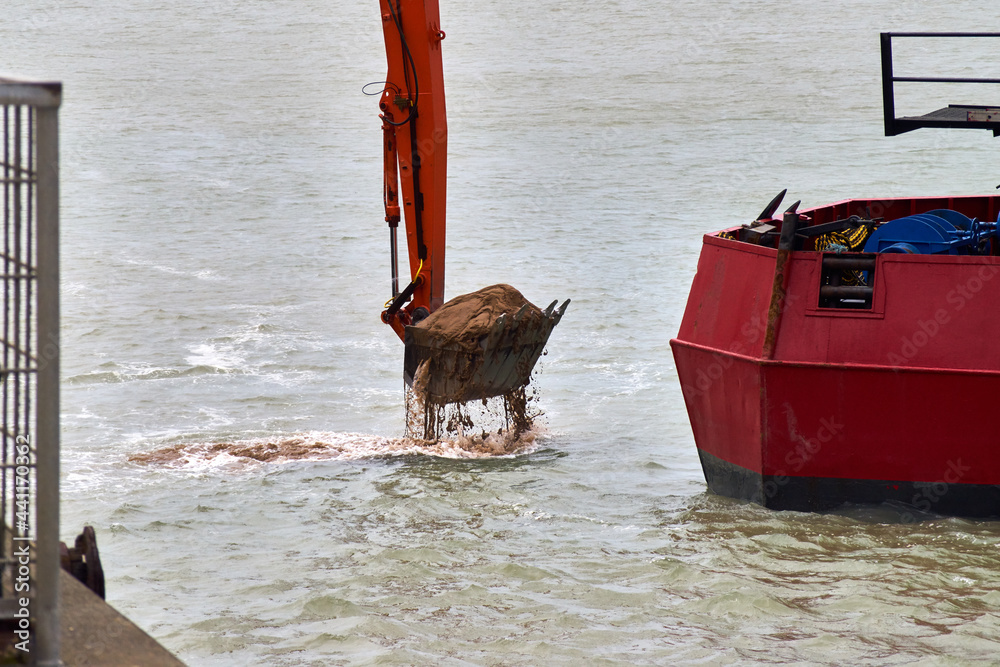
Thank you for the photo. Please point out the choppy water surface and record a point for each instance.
(224, 268)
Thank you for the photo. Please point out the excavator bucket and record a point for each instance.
(479, 345)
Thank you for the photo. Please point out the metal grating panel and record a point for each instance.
(952, 116)
(29, 367)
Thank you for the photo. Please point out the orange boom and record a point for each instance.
(466, 362)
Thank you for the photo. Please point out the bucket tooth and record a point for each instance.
(562, 310)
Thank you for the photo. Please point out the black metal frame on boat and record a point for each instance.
(953, 115)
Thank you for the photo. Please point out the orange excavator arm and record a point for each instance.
(476, 346)
(415, 138)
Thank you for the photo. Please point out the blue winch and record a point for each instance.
(940, 232)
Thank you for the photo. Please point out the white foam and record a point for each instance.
(211, 356)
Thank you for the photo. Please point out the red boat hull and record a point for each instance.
(892, 403)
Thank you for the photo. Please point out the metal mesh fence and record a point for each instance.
(29, 362)
(19, 325)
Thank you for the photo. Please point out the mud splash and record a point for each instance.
(325, 446)
(503, 426)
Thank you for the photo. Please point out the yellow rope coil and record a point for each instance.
(854, 241)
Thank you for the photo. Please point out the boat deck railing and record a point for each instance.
(952, 116)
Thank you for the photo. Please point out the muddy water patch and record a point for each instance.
(329, 446)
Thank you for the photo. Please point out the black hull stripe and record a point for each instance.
(812, 494)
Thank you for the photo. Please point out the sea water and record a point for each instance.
(225, 261)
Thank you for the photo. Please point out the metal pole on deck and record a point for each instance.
(786, 243)
(888, 98)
